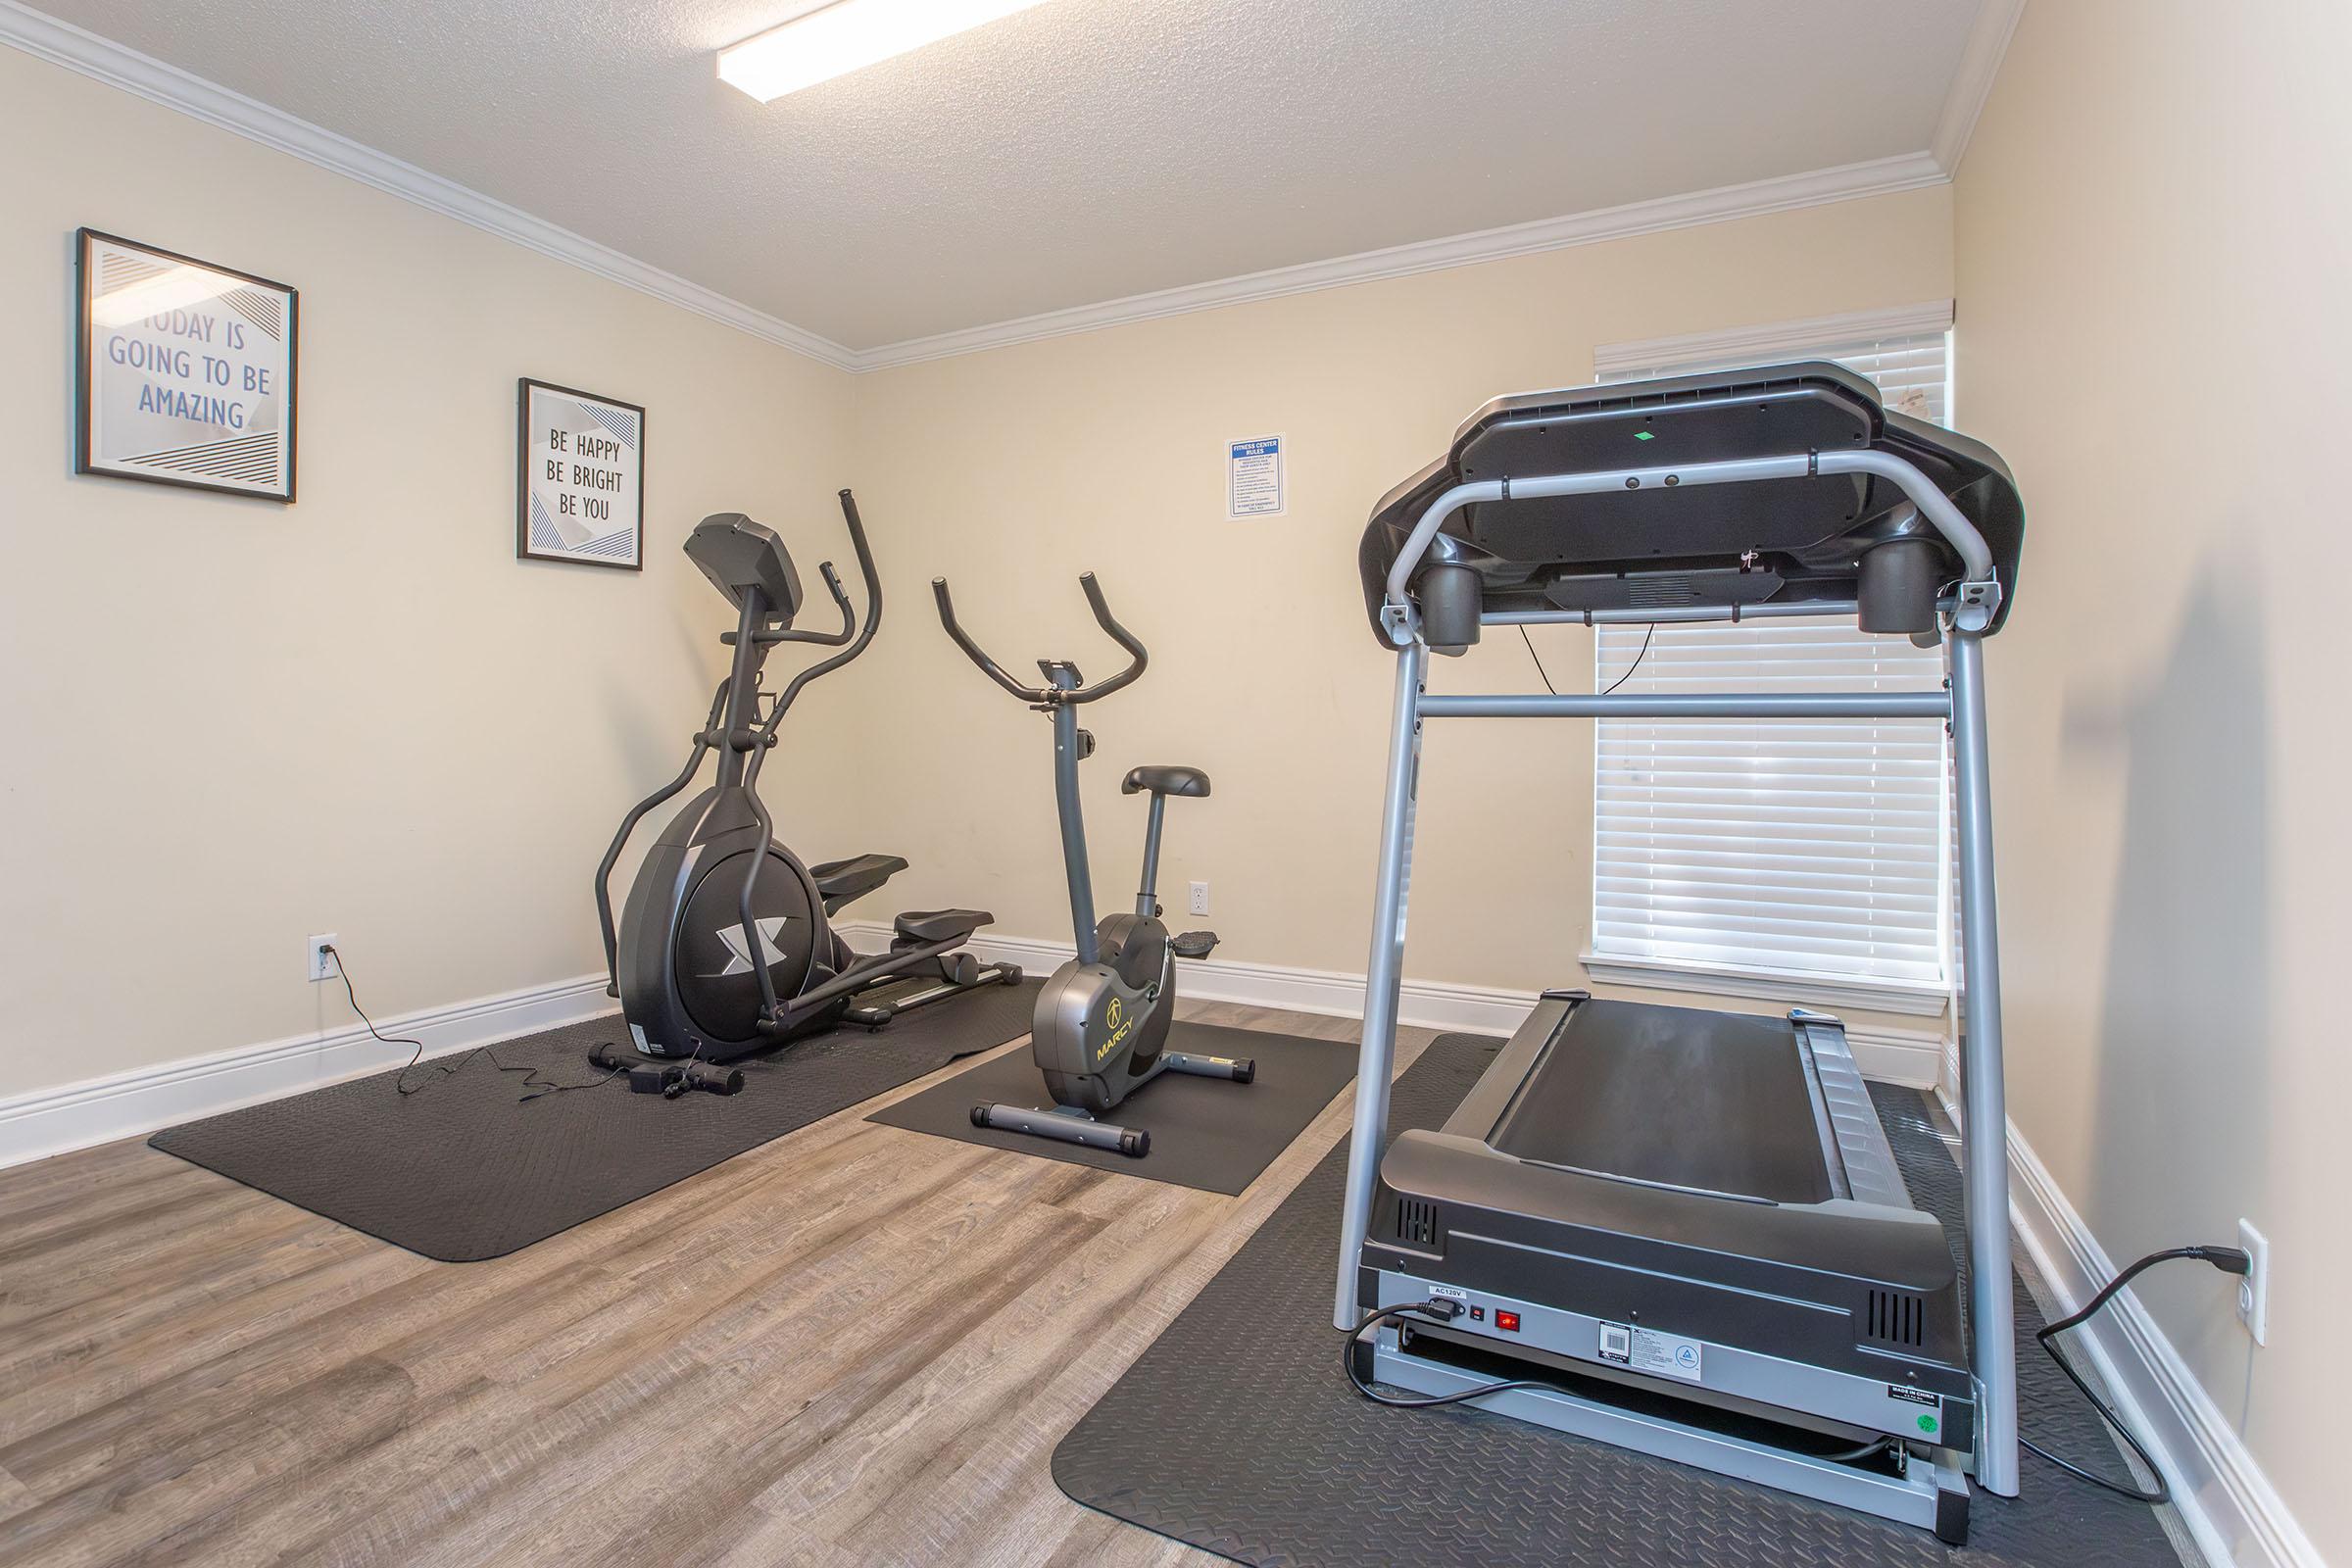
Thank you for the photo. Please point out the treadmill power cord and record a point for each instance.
(1647, 635)
(1437, 1309)
(1605, 690)
(2229, 1261)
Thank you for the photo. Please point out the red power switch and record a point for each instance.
(1508, 1322)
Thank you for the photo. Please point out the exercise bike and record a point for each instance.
(1101, 1021)
(726, 944)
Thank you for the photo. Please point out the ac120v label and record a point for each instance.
(1665, 1356)
(1896, 1391)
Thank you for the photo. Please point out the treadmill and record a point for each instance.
(1675, 1230)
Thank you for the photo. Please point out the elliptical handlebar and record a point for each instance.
(841, 601)
(856, 636)
(1049, 696)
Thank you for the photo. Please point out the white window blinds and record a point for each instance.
(1780, 848)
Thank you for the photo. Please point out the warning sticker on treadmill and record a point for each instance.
(1665, 1356)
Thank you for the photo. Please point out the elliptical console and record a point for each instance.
(1101, 1021)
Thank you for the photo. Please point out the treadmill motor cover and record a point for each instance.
(1659, 548)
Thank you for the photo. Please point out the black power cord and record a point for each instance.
(1440, 1311)
(2229, 1261)
(1636, 665)
(1539, 658)
(1605, 690)
(531, 1081)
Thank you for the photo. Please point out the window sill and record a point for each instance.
(1916, 999)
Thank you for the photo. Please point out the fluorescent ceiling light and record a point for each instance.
(849, 35)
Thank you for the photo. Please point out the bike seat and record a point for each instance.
(941, 925)
(838, 882)
(1168, 780)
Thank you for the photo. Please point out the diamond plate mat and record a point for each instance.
(1237, 1433)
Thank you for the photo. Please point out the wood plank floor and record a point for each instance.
(854, 1344)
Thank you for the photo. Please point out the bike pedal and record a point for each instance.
(1193, 944)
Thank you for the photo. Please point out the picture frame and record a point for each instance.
(580, 492)
(185, 370)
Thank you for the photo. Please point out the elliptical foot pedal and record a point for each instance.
(1193, 944)
(915, 928)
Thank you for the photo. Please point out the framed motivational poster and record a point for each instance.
(186, 374)
(583, 491)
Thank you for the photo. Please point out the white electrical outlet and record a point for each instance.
(1199, 898)
(2254, 1285)
(323, 965)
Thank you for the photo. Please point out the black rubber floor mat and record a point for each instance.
(1208, 1133)
(466, 1168)
(1235, 1432)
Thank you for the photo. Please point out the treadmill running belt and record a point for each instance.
(1678, 1096)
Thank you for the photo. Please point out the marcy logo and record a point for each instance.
(1117, 1024)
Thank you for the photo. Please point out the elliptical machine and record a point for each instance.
(1101, 1021)
(724, 946)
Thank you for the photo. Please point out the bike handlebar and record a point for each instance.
(1049, 696)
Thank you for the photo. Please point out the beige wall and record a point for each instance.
(227, 724)
(1012, 470)
(362, 714)
(2152, 242)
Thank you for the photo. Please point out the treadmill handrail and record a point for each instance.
(1976, 556)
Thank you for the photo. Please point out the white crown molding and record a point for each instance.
(1884, 177)
(62, 44)
(1979, 63)
(2224, 1501)
(103, 59)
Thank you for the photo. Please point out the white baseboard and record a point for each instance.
(2228, 1505)
(1906, 1056)
(126, 1104)
(1432, 1005)
(52, 1121)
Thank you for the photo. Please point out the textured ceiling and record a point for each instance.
(1082, 151)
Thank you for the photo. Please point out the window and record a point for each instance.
(1784, 856)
